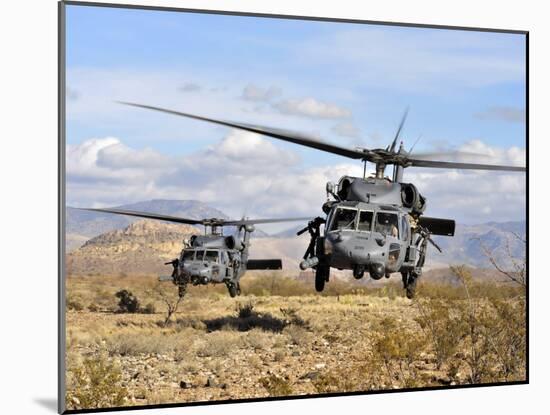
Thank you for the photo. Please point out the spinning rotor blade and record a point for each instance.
(255, 221)
(456, 165)
(374, 156)
(148, 215)
(394, 142)
(280, 134)
(208, 222)
(438, 155)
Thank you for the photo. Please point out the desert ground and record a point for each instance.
(280, 338)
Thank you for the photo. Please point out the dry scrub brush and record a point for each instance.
(486, 336)
(95, 384)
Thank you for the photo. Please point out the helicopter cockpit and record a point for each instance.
(363, 218)
(200, 255)
(387, 224)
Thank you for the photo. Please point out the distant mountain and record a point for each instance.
(465, 247)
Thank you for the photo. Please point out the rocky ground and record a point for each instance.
(219, 348)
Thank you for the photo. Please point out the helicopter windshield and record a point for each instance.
(365, 221)
(343, 218)
(199, 255)
(387, 223)
(188, 255)
(211, 256)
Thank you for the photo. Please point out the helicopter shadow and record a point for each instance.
(251, 320)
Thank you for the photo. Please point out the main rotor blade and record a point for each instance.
(455, 165)
(452, 154)
(148, 215)
(208, 222)
(394, 142)
(292, 137)
(255, 221)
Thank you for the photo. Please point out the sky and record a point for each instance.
(345, 83)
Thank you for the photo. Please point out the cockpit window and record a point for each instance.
(343, 218)
(211, 256)
(199, 255)
(188, 255)
(365, 221)
(387, 223)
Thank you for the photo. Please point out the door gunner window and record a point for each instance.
(365, 221)
(344, 218)
(387, 223)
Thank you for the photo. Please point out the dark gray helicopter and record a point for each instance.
(212, 258)
(373, 224)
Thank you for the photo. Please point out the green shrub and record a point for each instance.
(128, 302)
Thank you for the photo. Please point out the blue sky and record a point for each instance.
(347, 83)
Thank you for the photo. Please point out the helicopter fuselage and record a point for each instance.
(374, 225)
(366, 237)
(213, 259)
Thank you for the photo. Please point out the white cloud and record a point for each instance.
(312, 108)
(248, 173)
(472, 196)
(108, 159)
(493, 155)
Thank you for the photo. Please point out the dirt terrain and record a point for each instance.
(258, 345)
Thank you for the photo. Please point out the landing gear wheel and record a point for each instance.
(358, 272)
(232, 288)
(322, 273)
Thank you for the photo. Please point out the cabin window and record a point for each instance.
(211, 256)
(365, 221)
(343, 218)
(387, 223)
(188, 255)
(199, 255)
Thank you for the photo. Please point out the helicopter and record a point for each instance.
(374, 223)
(212, 258)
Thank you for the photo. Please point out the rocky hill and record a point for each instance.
(82, 225)
(141, 248)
